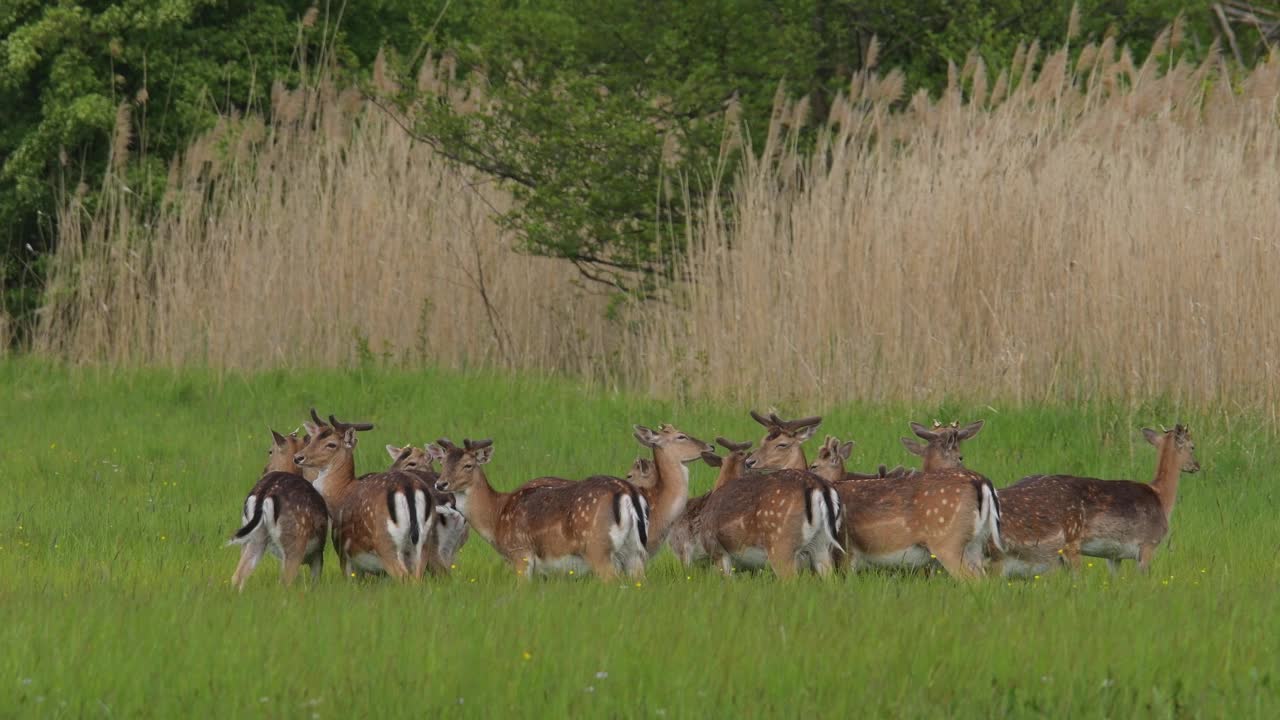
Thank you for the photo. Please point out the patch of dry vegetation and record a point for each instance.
(1082, 226)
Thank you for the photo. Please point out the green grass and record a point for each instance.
(117, 492)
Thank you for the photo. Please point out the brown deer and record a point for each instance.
(284, 515)
(911, 519)
(683, 538)
(1112, 519)
(380, 522)
(673, 450)
(598, 524)
(642, 474)
(941, 449)
(449, 531)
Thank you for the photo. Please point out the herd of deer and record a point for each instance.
(769, 508)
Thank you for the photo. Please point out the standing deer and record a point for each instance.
(673, 450)
(598, 524)
(284, 515)
(683, 537)
(1112, 519)
(449, 531)
(911, 519)
(380, 522)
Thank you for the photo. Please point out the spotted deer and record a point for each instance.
(673, 450)
(381, 522)
(682, 538)
(912, 519)
(449, 531)
(1112, 519)
(283, 515)
(598, 524)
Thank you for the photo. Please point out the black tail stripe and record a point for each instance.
(833, 510)
(808, 506)
(642, 524)
(253, 521)
(415, 532)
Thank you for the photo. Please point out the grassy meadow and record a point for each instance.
(120, 489)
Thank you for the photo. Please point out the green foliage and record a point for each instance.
(589, 168)
(604, 112)
(115, 576)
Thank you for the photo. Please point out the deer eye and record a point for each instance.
(782, 446)
(468, 466)
(332, 446)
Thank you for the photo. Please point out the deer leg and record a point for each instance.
(1071, 555)
(250, 554)
(600, 557)
(952, 560)
(1113, 565)
(316, 563)
(1145, 553)
(290, 564)
(783, 558)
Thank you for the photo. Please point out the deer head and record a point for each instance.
(284, 448)
(832, 456)
(410, 458)
(1183, 445)
(731, 465)
(780, 447)
(330, 442)
(642, 474)
(941, 449)
(675, 443)
(460, 469)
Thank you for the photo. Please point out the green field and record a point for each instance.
(119, 491)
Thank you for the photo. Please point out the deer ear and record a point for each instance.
(922, 432)
(484, 455)
(804, 433)
(645, 436)
(277, 438)
(846, 449)
(712, 459)
(311, 428)
(349, 437)
(912, 446)
(394, 452)
(1152, 436)
(434, 451)
(970, 430)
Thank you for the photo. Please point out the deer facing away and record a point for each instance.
(283, 515)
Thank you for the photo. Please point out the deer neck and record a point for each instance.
(730, 471)
(334, 481)
(798, 462)
(1165, 483)
(481, 506)
(669, 494)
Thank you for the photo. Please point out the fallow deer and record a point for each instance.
(642, 473)
(781, 446)
(673, 450)
(941, 449)
(379, 523)
(449, 532)
(912, 519)
(834, 454)
(683, 538)
(598, 524)
(284, 515)
(1112, 519)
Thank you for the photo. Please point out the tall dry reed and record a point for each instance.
(1082, 228)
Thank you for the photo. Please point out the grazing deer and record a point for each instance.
(683, 538)
(1112, 519)
(449, 531)
(381, 522)
(911, 519)
(673, 450)
(284, 515)
(941, 449)
(599, 523)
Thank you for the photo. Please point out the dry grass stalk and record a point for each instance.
(1075, 233)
